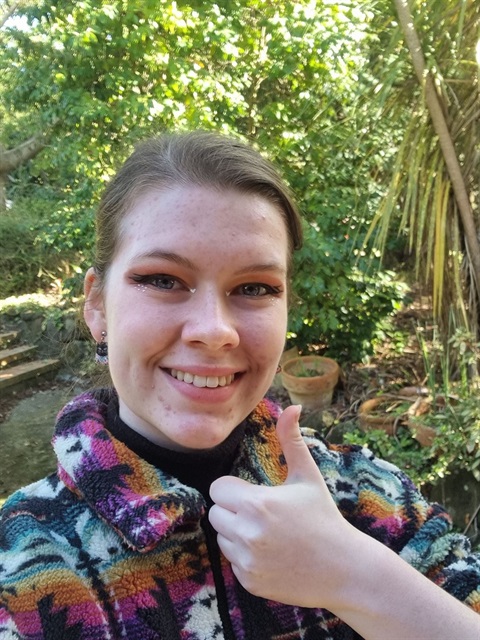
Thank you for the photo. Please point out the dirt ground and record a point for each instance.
(26, 426)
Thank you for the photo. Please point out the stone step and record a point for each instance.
(23, 375)
(15, 354)
(8, 337)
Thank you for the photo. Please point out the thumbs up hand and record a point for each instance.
(291, 544)
(287, 543)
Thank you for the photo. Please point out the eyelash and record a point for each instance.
(270, 290)
(151, 279)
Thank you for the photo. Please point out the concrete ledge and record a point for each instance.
(8, 337)
(18, 376)
(15, 354)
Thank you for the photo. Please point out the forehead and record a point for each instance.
(205, 214)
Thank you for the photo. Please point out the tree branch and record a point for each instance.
(7, 11)
(11, 159)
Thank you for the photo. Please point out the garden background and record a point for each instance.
(370, 109)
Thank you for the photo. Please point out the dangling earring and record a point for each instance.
(101, 351)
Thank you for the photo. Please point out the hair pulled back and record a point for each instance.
(197, 158)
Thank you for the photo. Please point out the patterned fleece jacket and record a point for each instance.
(110, 547)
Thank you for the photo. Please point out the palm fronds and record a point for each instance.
(421, 200)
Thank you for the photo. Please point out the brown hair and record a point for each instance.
(198, 158)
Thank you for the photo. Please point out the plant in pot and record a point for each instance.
(310, 380)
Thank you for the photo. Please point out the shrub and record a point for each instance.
(337, 303)
(451, 412)
(30, 260)
(19, 261)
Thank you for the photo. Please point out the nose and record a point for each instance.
(210, 321)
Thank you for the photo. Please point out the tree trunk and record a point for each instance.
(11, 159)
(445, 139)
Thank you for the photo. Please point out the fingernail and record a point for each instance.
(299, 410)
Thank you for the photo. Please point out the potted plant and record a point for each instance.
(310, 380)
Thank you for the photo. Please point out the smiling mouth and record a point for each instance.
(202, 381)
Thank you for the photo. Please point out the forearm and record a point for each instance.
(384, 597)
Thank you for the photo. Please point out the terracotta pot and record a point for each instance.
(371, 418)
(372, 414)
(311, 391)
(423, 434)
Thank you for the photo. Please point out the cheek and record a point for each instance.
(277, 323)
(267, 334)
(132, 309)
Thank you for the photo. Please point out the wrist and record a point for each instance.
(383, 596)
(361, 565)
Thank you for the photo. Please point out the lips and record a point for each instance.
(211, 382)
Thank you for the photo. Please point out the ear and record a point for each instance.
(94, 308)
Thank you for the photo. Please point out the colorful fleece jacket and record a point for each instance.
(110, 547)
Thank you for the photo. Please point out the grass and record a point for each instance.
(30, 301)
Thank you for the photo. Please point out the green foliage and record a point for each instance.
(419, 204)
(41, 303)
(456, 446)
(30, 258)
(342, 308)
(389, 334)
(285, 76)
(457, 443)
(450, 365)
(17, 264)
(453, 415)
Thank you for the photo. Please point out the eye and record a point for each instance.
(160, 281)
(257, 290)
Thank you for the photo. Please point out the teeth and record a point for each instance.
(199, 381)
(202, 381)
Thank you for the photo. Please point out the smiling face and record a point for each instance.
(195, 310)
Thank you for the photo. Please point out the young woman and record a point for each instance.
(185, 505)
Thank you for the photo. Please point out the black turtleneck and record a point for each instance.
(197, 469)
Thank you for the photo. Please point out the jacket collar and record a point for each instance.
(140, 502)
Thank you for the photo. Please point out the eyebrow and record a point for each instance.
(157, 254)
(263, 267)
(176, 258)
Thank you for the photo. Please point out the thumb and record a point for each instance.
(301, 465)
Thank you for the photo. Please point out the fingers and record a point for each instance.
(229, 492)
(223, 521)
(233, 526)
